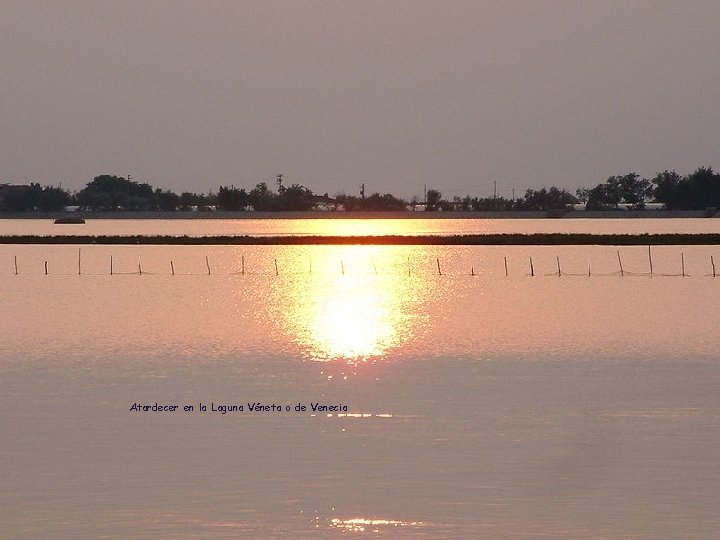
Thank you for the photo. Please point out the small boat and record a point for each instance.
(69, 220)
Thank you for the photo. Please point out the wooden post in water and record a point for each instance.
(506, 268)
(374, 267)
(16, 270)
(438, 267)
(111, 265)
(558, 265)
(46, 268)
(242, 265)
(342, 267)
(79, 262)
(682, 262)
(172, 267)
(532, 268)
(589, 269)
(472, 270)
(276, 268)
(207, 263)
(622, 272)
(139, 267)
(650, 261)
(712, 263)
(310, 265)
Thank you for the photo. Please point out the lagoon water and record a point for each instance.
(322, 225)
(479, 405)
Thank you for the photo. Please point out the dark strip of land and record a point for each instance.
(369, 214)
(457, 240)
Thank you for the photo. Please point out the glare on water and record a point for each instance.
(353, 305)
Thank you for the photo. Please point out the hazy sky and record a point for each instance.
(452, 94)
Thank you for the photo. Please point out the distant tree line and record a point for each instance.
(33, 198)
(696, 191)
(262, 198)
(104, 193)
(540, 199)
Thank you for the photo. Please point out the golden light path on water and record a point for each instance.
(350, 303)
(361, 525)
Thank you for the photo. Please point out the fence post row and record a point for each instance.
(438, 265)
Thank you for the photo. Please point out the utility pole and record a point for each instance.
(362, 190)
(278, 181)
(494, 189)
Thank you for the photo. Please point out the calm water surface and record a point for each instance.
(479, 406)
(358, 227)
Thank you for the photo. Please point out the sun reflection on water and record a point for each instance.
(352, 303)
(370, 525)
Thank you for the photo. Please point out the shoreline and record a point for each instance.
(538, 239)
(539, 214)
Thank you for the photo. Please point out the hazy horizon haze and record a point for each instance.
(454, 95)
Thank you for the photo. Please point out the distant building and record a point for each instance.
(654, 206)
(323, 203)
(625, 206)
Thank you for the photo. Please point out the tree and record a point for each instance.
(188, 200)
(629, 188)
(35, 198)
(635, 190)
(53, 199)
(696, 191)
(604, 196)
(261, 198)
(433, 199)
(383, 202)
(107, 192)
(349, 202)
(374, 202)
(294, 198)
(491, 204)
(166, 201)
(668, 189)
(704, 188)
(582, 194)
(546, 199)
(232, 199)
